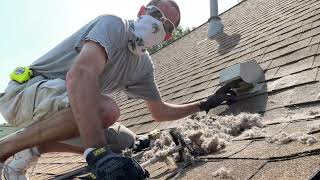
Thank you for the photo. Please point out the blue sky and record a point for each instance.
(30, 28)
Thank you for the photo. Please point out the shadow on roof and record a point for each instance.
(226, 42)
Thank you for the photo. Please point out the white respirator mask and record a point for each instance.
(150, 31)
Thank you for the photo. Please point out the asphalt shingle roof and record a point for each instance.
(283, 36)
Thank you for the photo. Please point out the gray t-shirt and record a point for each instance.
(124, 71)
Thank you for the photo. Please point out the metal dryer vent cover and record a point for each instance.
(243, 77)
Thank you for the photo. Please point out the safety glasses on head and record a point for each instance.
(158, 14)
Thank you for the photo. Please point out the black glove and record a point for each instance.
(106, 165)
(225, 93)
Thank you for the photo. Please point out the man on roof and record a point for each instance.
(64, 94)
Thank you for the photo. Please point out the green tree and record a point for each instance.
(176, 35)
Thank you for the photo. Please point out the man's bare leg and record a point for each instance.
(60, 126)
(59, 147)
(118, 137)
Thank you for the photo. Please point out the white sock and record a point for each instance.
(87, 151)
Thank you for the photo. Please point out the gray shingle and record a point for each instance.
(135, 127)
(304, 41)
(316, 23)
(203, 94)
(286, 41)
(259, 150)
(292, 57)
(180, 93)
(294, 148)
(265, 65)
(231, 149)
(306, 93)
(301, 168)
(147, 127)
(295, 79)
(214, 82)
(307, 76)
(239, 169)
(302, 126)
(310, 33)
(160, 170)
(279, 99)
(130, 121)
(284, 82)
(269, 74)
(144, 119)
(306, 27)
(271, 41)
(315, 39)
(257, 53)
(313, 49)
(278, 115)
(295, 67)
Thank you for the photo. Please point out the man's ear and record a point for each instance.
(142, 11)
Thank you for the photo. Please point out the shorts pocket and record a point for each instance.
(20, 106)
(51, 97)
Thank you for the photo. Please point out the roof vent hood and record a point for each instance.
(215, 24)
(243, 77)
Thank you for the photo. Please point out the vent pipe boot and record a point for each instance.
(215, 24)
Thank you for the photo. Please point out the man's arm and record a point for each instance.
(83, 91)
(162, 111)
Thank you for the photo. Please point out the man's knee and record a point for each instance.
(110, 112)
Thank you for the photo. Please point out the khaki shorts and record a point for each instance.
(39, 98)
(24, 104)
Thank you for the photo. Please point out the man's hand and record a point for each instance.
(105, 165)
(221, 95)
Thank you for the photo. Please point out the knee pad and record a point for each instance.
(119, 137)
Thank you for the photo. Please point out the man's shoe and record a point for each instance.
(17, 168)
(3, 168)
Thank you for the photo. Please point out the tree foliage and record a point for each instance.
(176, 35)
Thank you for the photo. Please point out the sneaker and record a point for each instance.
(3, 168)
(16, 169)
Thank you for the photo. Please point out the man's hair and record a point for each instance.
(173, 3)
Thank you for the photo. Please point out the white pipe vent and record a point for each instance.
(215, 24)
